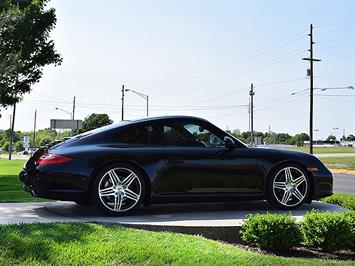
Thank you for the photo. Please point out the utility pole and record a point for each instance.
(73, 116)
(249, 114)
(252, 93)
(12, 131)
(34, 129)
(122, 112)
(311, 60)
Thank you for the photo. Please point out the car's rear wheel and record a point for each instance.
(118, 189)
(289, 187)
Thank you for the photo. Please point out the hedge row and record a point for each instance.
(345, 200)
(328, 231)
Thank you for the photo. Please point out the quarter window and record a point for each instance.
(143, 134)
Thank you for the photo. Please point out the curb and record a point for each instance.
(342, 171)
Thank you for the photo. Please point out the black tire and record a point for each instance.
(107, 204)
(288, 198)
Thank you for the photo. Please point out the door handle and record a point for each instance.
(175, 160)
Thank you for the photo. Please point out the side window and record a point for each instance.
(203, 135)
(142, 134)
(190, 135)
(174, 136)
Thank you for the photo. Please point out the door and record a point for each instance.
(198, 163)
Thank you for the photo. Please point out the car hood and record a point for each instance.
(287, 155)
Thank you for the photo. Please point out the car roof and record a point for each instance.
(170, 117)
(125, 123)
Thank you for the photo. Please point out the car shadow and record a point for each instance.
(165, 213)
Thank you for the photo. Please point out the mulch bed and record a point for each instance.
(304, 252)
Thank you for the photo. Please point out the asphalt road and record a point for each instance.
(344, 183)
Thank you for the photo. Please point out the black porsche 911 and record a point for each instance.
(171, 159)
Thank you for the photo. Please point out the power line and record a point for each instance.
(335, 24)
(334, 95)
(279, 82)
(281, 104)
(335, 40)
(216, 98)
(343, 29)
(248, 56)
(251, 69)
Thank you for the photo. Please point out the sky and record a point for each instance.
(199, 58)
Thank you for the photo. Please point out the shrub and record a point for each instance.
(328, 231)
(351, 216)
(271, 231)
(345, 200)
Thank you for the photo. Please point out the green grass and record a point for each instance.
(89, 244)
(345, 200)
(339, 162)
(320, 150)
(10, 186)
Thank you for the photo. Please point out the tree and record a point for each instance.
(44, 136)
(282, 138)
(351, 137)
(19, 146)
(95, 121)
(298, 139)
(25, 47)
(330, 138)
(6, 146)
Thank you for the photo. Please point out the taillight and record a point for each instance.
(52, 158)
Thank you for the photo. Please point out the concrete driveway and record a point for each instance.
(195, 215)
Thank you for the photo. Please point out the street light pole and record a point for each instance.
(34, 129)
(144, 96)
(335, 133)
(316, 130)
(73, 113)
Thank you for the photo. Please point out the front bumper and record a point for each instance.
(322, 184)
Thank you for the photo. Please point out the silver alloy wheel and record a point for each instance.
(290, 186)
(119, 189)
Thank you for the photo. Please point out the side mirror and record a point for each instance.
(228, 142)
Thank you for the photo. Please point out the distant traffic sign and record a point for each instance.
(66, 124)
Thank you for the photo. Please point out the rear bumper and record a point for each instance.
(32, 183)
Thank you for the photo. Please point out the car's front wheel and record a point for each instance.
(118, 189)
(289, 187)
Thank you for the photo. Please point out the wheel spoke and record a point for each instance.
(115, 180)
(280, 185)
(286, 197)
(298, 194)
(299, 180)
(131, 195)
(288, 174)
(105, 192)
(118, 203)
(128, 180)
